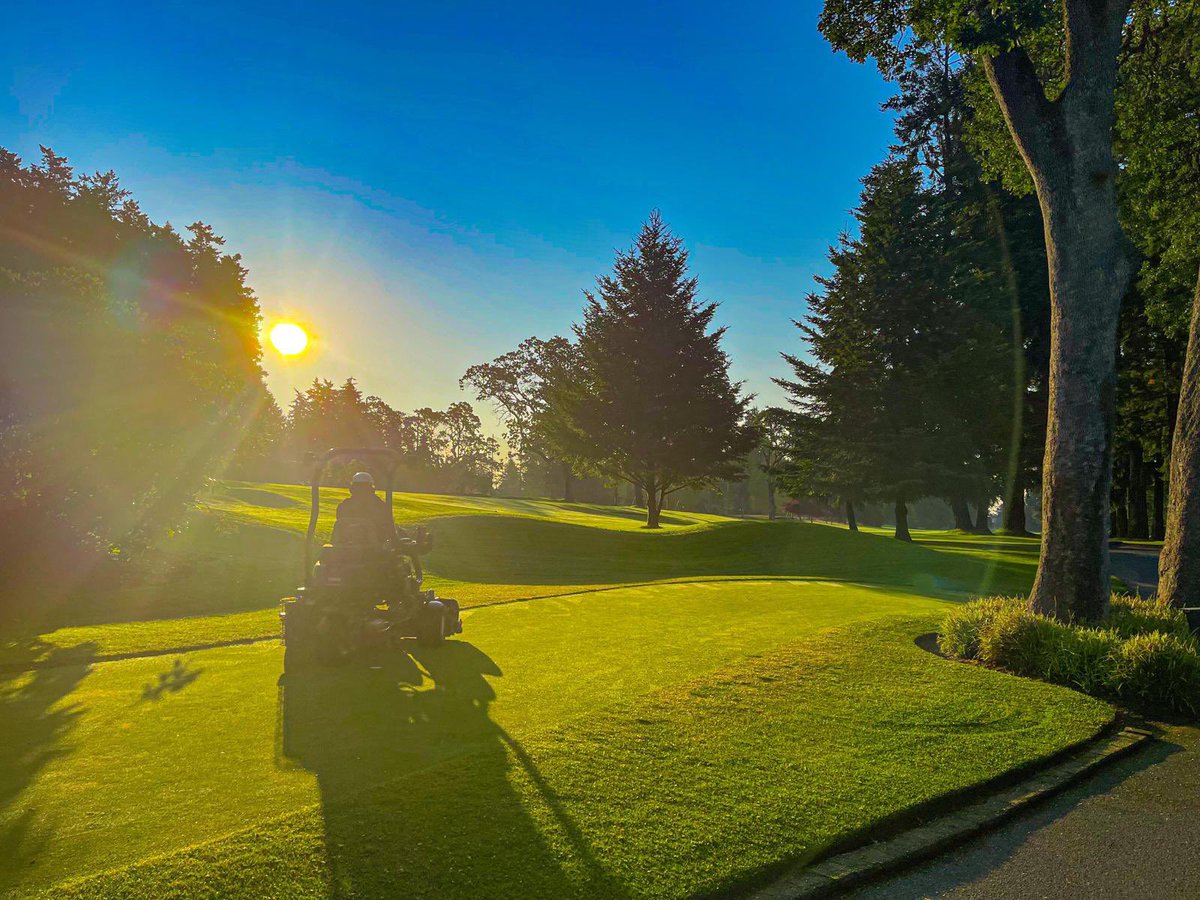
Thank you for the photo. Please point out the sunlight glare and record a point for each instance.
(289, 338)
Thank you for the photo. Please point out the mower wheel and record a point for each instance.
(431, 624)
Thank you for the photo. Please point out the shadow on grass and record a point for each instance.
(172, 681)
(422, 793)
(493, 550)
(35, 724)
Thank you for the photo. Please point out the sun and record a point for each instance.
(289, 338)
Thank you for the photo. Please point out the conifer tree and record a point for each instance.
(652, 402)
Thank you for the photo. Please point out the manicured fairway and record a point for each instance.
(671, 713)
(557, 732)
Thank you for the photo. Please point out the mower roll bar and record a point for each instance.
(391, 456)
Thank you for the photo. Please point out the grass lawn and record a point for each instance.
(664, 739)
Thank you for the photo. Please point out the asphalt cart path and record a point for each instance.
(1129, 832)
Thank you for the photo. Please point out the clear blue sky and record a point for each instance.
(425, 187)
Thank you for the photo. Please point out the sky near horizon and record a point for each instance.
(423, 186)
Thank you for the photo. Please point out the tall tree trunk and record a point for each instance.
(902, 520)
(638, 497)
(771, 498)
(568, 478)
(962, 513)
(1179, 563)
(1014, 505)
(1158, 523)
(1139, 514)
(1067, 147)
(652, 504)
(851, 518)
(616, 493)
(981, 516)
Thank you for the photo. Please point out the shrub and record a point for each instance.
(1142, 654)
(1131, 615)
(960, 631)
(1157, 671)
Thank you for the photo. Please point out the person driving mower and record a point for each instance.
(367, 582)
(363, 518)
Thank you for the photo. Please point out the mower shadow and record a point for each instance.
(422, 793)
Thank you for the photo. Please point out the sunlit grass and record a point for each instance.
(742, 706)
(667, 771)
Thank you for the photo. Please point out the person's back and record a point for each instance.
(363, 518)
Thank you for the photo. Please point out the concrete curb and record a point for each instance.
(856, 868)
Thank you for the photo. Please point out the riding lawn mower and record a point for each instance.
(358, 592)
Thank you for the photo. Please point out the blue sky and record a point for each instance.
(424, 187)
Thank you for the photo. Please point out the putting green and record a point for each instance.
(105, 765)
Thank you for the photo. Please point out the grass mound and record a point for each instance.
(701, 786)
(1143, 654)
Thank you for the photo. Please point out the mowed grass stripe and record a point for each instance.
(700, 786)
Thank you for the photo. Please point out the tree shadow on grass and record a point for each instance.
(497, 550)
(423, 795)
(35, 724)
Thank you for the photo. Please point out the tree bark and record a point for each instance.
(962, 513)
(568, 478)
(653, 508)
(851, 518)
(981, 517)
(771, 499)
(1158, 523)
(1066, 144)
(1014, 505)
(1179, 563)
(902, 533)
(1139, 514)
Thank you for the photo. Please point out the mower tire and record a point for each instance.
(431, 624)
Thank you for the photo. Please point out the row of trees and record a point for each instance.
(929, 342)
(444, 451)
(1090, 108)
(129, 366)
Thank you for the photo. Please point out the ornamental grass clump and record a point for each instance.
(1142, 654)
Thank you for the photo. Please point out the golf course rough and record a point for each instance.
(657, 740)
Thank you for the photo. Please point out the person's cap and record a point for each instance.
(363, 478)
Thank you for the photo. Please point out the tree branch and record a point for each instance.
(1027, 111)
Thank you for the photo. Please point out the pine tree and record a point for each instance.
(652, 403)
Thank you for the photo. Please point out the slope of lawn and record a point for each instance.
(243, 551)
(648, 741)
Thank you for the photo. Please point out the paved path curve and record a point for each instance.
(1129, 832)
